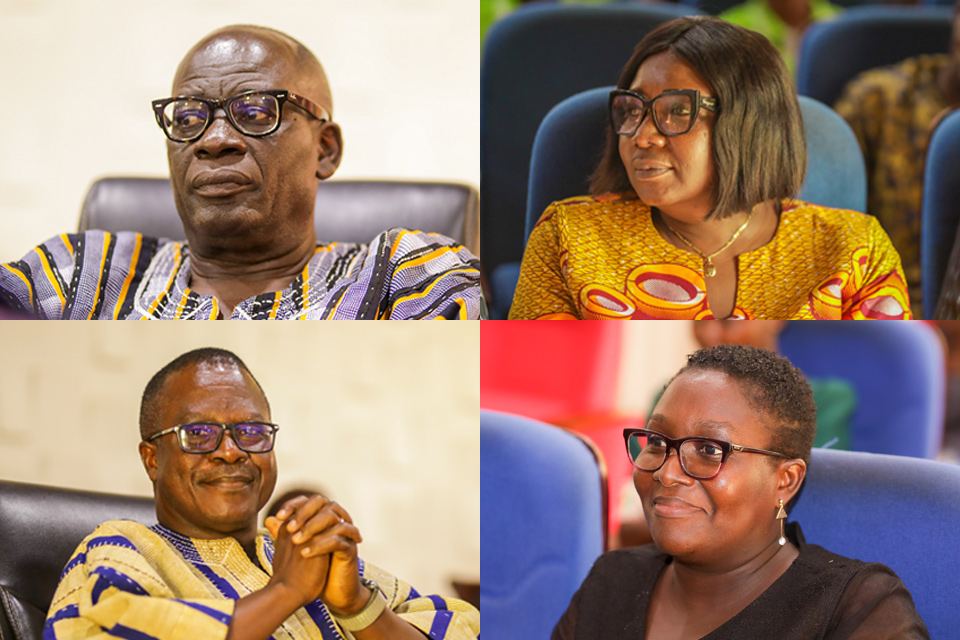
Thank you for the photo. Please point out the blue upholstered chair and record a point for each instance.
(900, 511)
(897, 370)
(571, 137)
(540, 523)
(941, 215)
(532, 59)
(865, 37)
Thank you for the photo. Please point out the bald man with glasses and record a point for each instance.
(249, 136)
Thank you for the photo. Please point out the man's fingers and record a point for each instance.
(290, 506)
(342, 537)
(329, 515)
(304, 510)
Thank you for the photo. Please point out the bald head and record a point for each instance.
(220, 51)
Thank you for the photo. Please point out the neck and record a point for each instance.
(710, 235)
(232, 276)
(726, 586)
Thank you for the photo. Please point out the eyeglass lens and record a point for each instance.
(700, 458)
(253, 113)
(204, 437)
(672, 113)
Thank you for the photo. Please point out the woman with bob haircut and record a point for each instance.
(691, 213)
(717, 466)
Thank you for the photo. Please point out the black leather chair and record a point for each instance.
(40, 528)
(346, 210)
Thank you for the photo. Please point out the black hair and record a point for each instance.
(758, 147)
(150, 400)
(773, 386)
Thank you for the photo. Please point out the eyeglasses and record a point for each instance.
(700, 458)
(204, 437)
(254, 113)
(674, 112)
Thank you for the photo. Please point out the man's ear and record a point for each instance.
(331, 150)
(790, 475)
(148, 455)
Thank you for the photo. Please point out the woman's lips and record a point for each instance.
(674, 508)
(649, 173)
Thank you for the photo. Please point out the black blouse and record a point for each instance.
(821, 595)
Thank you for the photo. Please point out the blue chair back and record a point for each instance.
(897, 370)
(541, 523)
(865, 37)
(532, 59)
(900, 511)
(941, 215)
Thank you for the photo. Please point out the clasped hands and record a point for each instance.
(315, 554)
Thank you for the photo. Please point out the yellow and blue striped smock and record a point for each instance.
(126, 580)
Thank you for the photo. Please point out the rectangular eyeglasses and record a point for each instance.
(204, 437)
(700, 458)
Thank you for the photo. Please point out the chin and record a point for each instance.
(675, 540)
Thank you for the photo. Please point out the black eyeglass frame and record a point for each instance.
(224, 427)
(281, 95)
(697, 100)
(725, 447)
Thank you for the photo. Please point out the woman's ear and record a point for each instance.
(790, 475)
(331, 150)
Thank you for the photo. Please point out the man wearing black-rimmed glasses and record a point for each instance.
(204, 571)
(250, 135)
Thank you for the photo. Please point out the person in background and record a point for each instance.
(892, 111)
(783, 22)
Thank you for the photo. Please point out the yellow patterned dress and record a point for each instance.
(602, 258)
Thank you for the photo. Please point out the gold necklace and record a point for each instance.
(709, 269)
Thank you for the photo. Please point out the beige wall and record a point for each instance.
(653, 352)
(78, 77)
(382, 416)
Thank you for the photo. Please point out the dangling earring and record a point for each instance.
(781, 516)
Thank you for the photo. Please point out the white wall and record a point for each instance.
(383, 416)
(78, 78)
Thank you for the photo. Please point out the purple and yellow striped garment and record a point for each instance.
(129, 581)
(401, 274)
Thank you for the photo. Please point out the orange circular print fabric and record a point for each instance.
(601, 258)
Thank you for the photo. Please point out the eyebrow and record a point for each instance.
(710, 428)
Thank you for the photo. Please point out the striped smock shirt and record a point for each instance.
(401, 274)
(126, 580)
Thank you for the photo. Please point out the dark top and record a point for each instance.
(821, 595)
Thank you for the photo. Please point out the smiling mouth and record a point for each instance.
(673, 508)
(230, 482)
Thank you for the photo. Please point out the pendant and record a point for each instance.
(782, 541)
(708, 269)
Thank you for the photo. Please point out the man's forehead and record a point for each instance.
(231, 52)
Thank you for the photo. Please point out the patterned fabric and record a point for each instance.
(99, 275)
(890, 111)
(129, 581)
(602, 258)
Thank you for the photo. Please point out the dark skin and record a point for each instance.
(721, 533)
(246, 202)
(675, 175)
(709, 333)
(218, 494)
